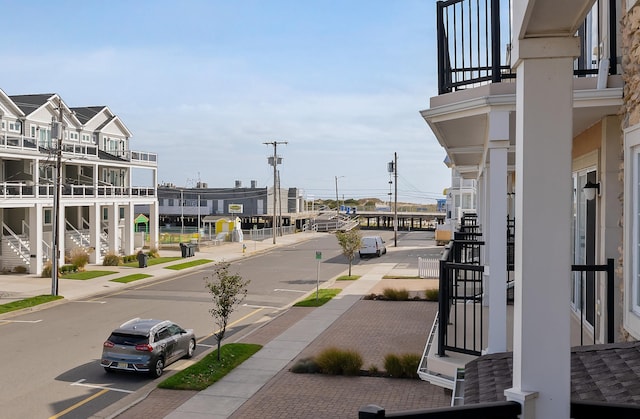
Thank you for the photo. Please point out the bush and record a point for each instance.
(393, 366)
(403, 366)
(65, 269)
(79, 257)
(129, 258)
(46, 270)
(153, 252)
(305, 366)
(111, 259)
(20, 269)
(432, 294)
(336, 361)
(395, 295)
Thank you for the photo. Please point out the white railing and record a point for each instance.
(16, 243)
(17, 142)
(428, 268)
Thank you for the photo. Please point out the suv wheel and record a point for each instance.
(157, 368)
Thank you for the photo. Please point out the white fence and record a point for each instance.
(428, 268)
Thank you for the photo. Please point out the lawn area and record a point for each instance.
(324, 296)
(131, 278)
(153, 261)
(190, 264)
(348, 277)
(208, 370)
(28, 302)
(87, 274)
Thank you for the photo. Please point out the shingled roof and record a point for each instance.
(599, 373)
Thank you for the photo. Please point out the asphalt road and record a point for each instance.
(50, 358)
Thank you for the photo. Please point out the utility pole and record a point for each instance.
(395, 205)
(274, 161)
(55, 260)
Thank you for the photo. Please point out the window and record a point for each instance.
(33, 131)
(47, 217)
(14, 126)
(73, 136)
(86, 138)
(4, 126)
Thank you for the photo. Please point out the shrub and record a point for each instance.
(403, 366)
(129, 258)
(79, 257)
(432, 294)
(393, 366)
(153, 252)
(373, 369)
(65, 269)
(336, 361)
(395, 295)
(20, 269)
(111, 259)
(410, 364)
(305, 366)
(46, 270)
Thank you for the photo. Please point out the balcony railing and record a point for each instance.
(474, 38)
(461, 322)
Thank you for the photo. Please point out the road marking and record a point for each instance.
(232, 324)
(20, 321)
(89, 301)
(207, 346)
(287, 290)
(82, 384)
(80, 403)
(257, 306)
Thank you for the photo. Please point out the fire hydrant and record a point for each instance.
(244, 248)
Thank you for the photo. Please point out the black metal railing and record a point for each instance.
(460, 314)
(588, 283)
(473, 38)
(503, 410)
(494, 410)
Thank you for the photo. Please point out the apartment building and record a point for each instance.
(41, 136)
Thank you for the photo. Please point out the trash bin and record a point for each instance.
(184, 249)
(192, 249)
(142, 260)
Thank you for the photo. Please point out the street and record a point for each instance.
(53, 369)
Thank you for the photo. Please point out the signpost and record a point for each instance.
(318, 258)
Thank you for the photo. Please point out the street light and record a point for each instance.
(337, 202)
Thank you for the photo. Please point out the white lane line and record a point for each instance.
(256, 306)
(80, 383)
(88, 301)
(288, 290)
(207, 346)
(20, 321)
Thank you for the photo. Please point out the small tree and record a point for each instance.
(351, 242)
(227, 291)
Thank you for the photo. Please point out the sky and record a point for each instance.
(204, 84)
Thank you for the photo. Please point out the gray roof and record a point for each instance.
(86, 113)
(29, 103)
(601, 373)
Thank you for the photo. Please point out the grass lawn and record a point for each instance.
(324, 295)
(28, 302)
(348, 277)
(87, 274)
(152, 261)
(209, 370)
(188, 264)
(131, 278)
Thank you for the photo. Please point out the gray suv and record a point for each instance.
(147, 345)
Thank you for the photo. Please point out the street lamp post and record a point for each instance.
(337, 201)
(274, 161)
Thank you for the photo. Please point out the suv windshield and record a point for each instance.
(127, 339)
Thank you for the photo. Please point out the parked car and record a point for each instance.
(372, 246)
(146, 345)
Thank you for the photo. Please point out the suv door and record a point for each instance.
(166, 344)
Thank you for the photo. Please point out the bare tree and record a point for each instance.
(350, 241)
(227, 291)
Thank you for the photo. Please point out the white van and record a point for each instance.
(372, 246)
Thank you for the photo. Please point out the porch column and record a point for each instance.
(544, 119)
(36, 236)
(154, 225)
(114, 228)
(129, 217)
(95, 231)
(497, 228)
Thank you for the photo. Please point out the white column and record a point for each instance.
(497, 259)
(544, 116)
(154, 226)
(35, 239)
(129, 217)
(95, 230)
(114, 228)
